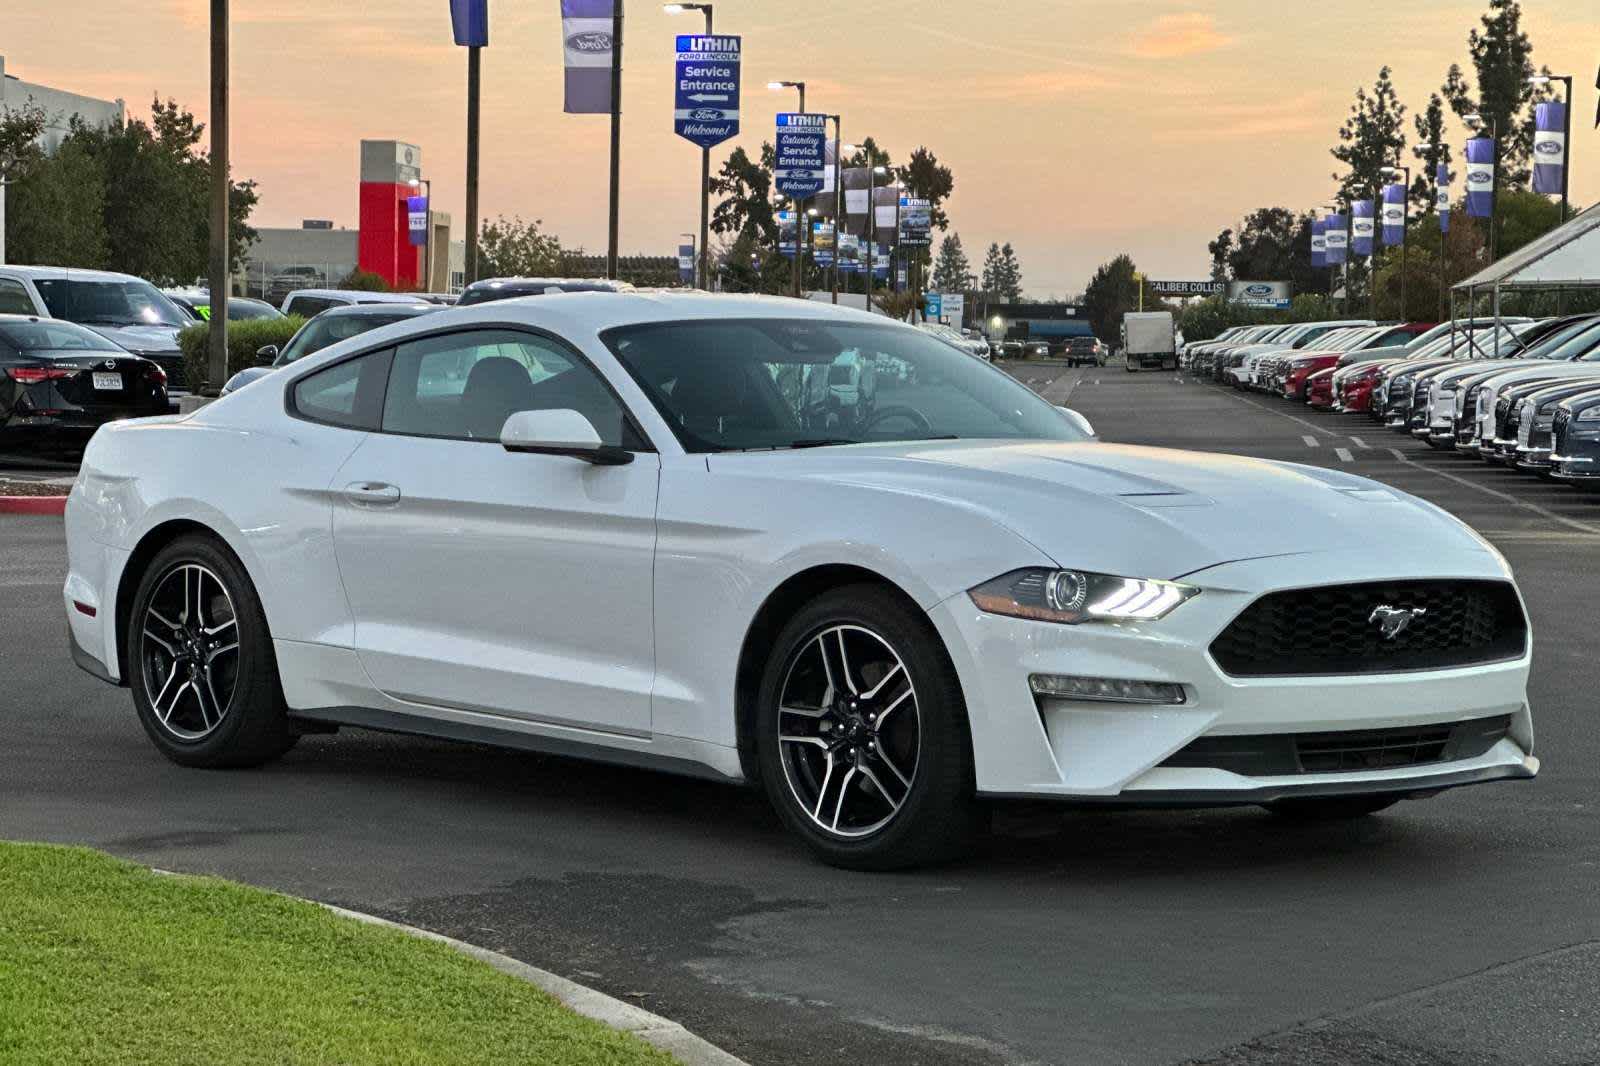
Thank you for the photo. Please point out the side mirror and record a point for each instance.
(562, 432)
(1077, 420)
(266, 355)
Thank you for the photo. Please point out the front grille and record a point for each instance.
(1558, 431)
(1332, 629)
(1346, 751)
(1502, 418)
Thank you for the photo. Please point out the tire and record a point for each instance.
(907, 795)
(1332, 808)
(229, 712)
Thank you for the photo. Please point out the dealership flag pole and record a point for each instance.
(217, 364)
(616, 138)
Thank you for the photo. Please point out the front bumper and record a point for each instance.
(1075, 749)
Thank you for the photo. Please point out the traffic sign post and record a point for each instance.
(705, 110)
(801, 165)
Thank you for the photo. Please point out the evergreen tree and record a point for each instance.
(993, 271)
(745, 209)
(1372, 138)
(1431, 150)
(1010, 275)
(1502, 60)
(951, 270)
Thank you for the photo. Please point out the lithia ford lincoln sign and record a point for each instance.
(705, 107)
(802, 140)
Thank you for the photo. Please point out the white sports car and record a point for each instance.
(653, 528)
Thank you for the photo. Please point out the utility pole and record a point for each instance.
(217, 363)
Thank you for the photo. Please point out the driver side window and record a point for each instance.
(463, 386)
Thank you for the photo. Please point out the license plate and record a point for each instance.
(108, 382)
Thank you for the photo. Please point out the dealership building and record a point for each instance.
(1052, 322)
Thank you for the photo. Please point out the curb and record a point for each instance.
(37, 505)
(653, 1029)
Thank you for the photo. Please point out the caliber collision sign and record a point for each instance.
(706, 96)
(800, 163)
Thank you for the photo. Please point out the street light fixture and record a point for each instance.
(800, 224)
(679, 9)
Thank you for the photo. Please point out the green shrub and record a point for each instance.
(364, 281)
(244, 337)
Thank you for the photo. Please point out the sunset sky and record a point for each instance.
(1076, 130)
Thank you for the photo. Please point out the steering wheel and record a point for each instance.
(918, 420)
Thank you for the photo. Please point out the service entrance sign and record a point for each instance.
(801, 166)
(705, 105)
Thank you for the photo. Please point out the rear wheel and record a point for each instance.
(200, 660)
(1332, 808)
(862, 734)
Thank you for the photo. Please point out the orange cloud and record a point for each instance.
(1171, 36)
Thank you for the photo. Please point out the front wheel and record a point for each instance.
(862, 734)
(200, 660)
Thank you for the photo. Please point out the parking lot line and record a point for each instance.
(1344, 455)
(1543, 512)
(1311, 442)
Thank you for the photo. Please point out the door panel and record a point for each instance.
(479, 578)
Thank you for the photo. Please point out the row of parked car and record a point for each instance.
(1515, 391)
(79, 348)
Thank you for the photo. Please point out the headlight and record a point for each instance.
(1072, 596)
(1589, 414)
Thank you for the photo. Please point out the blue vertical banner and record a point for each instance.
(1480, 177)
(1338, 238)
(469, 20)
(1361, 227)
(705, 98)
(1549, 146)
(590, 53)
(800, 155)
(788, 230)
(1441, 196)
(417, 219)
(686, 263)
(1394, 214)
(1319, 243)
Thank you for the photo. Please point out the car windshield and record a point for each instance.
(54, 337)
(240, 310)
(328, 329)
(773, 383)
(109, 302)
(1567, 343)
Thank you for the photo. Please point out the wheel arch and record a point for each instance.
(148, 547)
(779, 606)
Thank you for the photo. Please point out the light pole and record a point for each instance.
(1476, 121)
(427, 248)
(801, 223)
(217, 361)
(838, 202)
(703, 255)
(1405, 224)
(1566, 132)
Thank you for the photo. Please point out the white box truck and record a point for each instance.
(1149, 341)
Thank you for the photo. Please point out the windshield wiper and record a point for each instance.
(821, 442)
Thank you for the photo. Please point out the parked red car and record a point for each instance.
(1355, 392)
(1301, 367)
(1319, 389)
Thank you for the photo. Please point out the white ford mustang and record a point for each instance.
(767, 541)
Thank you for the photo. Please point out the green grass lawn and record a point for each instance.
(102, 961)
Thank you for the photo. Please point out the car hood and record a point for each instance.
(1137, 511)
(140, 338)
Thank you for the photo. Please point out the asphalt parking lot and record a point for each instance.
(1463, 930)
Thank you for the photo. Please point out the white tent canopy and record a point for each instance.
(1568, 257)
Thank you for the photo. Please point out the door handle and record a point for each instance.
(372, 493)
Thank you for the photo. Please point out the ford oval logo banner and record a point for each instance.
(1549, 147)
(705, 92)
(1258, 291)
(586, 30)
(469, 20)
(1480, 177)
(1441, 201)
(1394, 213)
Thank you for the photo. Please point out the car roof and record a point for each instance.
(356, 296)
(49, 272)
(359, 310)
(599, 284)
